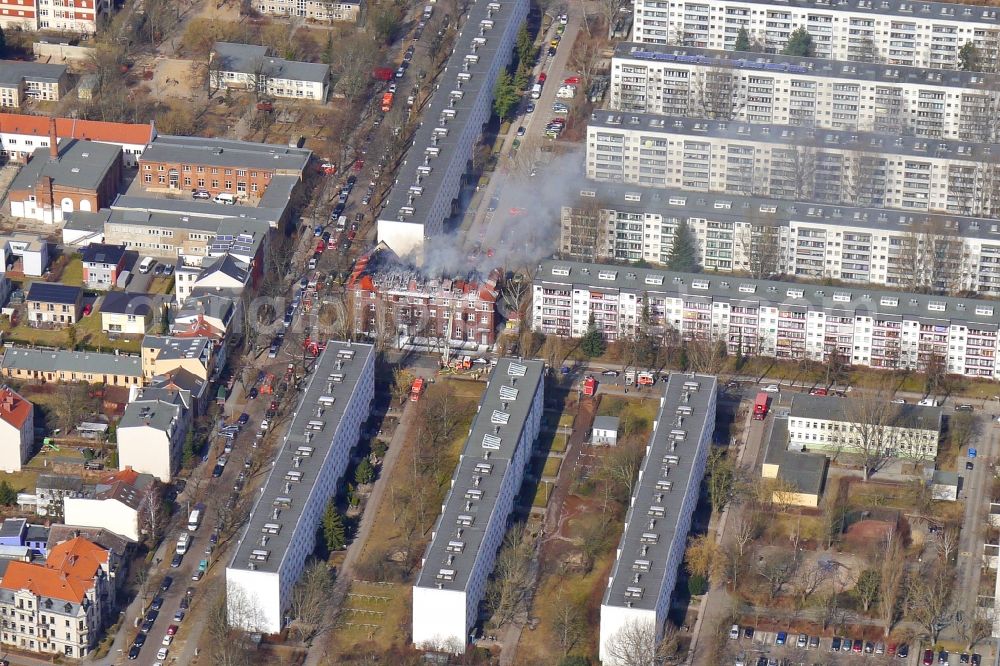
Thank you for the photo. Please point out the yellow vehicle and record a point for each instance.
(554, 43)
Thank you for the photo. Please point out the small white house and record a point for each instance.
(944, 486)
(605, 431)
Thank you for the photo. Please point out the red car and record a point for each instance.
(819, 391)
(359, 165)
(517, 211)
(320, 246)
(928, 658)
(542, 77)
(572, 81)
(87, 309)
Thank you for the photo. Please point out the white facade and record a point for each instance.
(897, 32)
(877, 170)
(761, 236)
(151, 435)
(273, 86)
(17, 430)
(776, 319)
(807, 92)
(429, 179)
(473, 522)
(659, 516)
(111, 514)
(324, 11)
(281, 531)
(71, 16)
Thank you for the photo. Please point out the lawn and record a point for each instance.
(559, 443)
(551, 468)
(542, 494)
(73, 273)
(88, 334)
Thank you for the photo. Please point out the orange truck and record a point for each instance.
(387, 102)
(417, 389)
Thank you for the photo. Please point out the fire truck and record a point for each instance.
(417, 389)
(760, 406)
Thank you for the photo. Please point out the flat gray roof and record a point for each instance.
(47, 360)
(768, 63)
(471, 506)
(805, 471)
(177, 348)
(12, 72)
(225, 153)
(81, 164)
(904, 10)
(834, 408)
(180, 213)
(157, 414)
(247, 58)
(333, 397)
(857, 301)
(724, 207)
(681, 128)
(668, 471)
(453, 145)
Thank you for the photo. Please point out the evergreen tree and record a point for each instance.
(684, 252)
(3, 43)
(525, 46)
(742, 40)
(505, 95)
(800, 43)
(365, 473)
(165, 320)
(968, 58)
(8, 496)
(593, 340)
(334, 532)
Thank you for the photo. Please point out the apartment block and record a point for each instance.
(429, 178)
(320, 11)
(806, 92)
(281, 531)
(897, 32)
(21, 81)
(151, 432)
(766, 237)
(832, 166)
(17, 430)
(864, 327)
(659, 516)
(828, 423)
(251, 67)
(465, 539)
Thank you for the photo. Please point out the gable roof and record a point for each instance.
(53, 292)
(45, 582)
(61, 360)
(14, 409)
(227, 265)
(102, 253)
(249, 59)
(77, 557)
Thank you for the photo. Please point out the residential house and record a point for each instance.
(162, 354)
(53, 303)
(17, 430)
(117, 546)
(129, 313)
(183, 380)
(60, 606)
(21, 81)
(21, 135)
(151, 432)
(250, 67)
(102, 264)
(24, 253)
(65, 177)
(945, 485)
(605, 430)
(120, 503)
(51, 490)
(69, 366)
(216, 317)
(225, 275)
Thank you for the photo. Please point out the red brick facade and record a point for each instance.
(213, 179)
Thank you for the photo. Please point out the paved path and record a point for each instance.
(318, 654)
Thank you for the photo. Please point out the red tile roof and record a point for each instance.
(93, 130)
(67, 574)
(14, 409)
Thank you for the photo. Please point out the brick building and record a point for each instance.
(241, 168)
(68, 176)
(402, 306)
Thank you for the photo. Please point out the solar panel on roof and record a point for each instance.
(499, 418)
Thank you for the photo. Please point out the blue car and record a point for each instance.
(781, 638)
(318, 231)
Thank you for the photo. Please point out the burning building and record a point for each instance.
(403, 307)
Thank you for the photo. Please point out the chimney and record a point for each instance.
(53, 140)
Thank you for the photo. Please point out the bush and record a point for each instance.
(697, 585)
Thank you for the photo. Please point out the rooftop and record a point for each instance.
(226, 153)
(53, 292)
(815, 67)
(172, 348)
(251, 59)
(129, 303)
(138, 134)
(81, 164)
(470, 506)
(12, 72)
(447, 113)
(60, 360)
(903, 9)
(104, 538)
(715, 206)
(833, 408)
(606, 423)
(102, 253)
(305, 448)
(699, 287)
(14, 409)
(687, 410)
(804, 471)
(681, 129)
(155, 414)
(59, 482)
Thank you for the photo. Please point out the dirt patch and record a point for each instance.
(177, 80)
(868, 531)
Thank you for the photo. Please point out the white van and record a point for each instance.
(146, 265)
(224, 198)
(536, 91)
(566, 92)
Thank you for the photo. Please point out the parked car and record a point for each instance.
(176, 561)
(157, 603)
(179, 616)
(781, 638)
(771, 388)
(167, 582)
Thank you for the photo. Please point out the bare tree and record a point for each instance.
(72, 405)
(507, 591)
(707, 356)
(866, 587)
(311, 600)
(151, 516)
(808, 580)
(928, 597)
(777, 569)
(891, 575)
(947, 541)
(870, 433)
(229, 646)
(760, 246)
(718, 95)
(569, 624)
(635, 644)
(582, 229)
